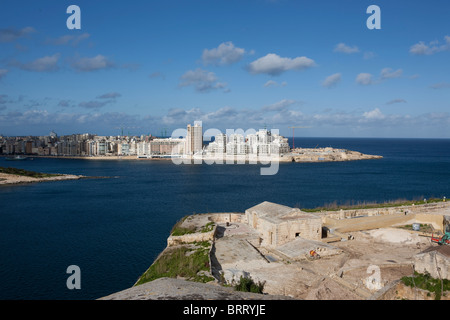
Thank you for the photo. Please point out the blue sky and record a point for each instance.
(148, 66)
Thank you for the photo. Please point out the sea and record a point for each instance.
(113, 228)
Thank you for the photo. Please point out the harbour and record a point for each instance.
(115, 228)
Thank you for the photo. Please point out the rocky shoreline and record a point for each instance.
(296, 155)
(328, 155)
(12, 179)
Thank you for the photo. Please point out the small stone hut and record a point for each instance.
(435, 260)
(279, 224)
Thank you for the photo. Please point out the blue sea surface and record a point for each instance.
(114, 228)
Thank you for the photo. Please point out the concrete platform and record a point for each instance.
(299, 248)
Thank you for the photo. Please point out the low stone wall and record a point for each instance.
(436, 220)
(192, 237)
(367, 223)
(425, 209)
(228, 217)
(364, 219)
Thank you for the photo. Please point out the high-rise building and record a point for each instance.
(194, 138)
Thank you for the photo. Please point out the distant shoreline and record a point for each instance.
(14, 176)
(12, 179)
(304, 155)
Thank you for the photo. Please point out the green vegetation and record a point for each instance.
(178, 230)
(207, 227)
(334, 206)
(426, 282)
(26, 173)
(249, 285)
(191, 263)
(423, 227)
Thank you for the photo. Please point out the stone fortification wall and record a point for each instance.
(228, 217)
(425, 208)
(436, 220)
(367, 223)
(363, 219)
(192, 237)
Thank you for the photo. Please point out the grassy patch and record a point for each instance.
(181, 261)
(426, 282)
(26, 173)
(207, 227)
(178, 230)
(423, 227)
(249, 285)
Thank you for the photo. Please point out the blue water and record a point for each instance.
(114, 228)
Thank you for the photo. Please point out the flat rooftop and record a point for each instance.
(277, 213)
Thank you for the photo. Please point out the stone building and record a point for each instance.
(435, 260)
(279, 224)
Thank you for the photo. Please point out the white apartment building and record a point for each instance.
(194, 138)
(262, 142)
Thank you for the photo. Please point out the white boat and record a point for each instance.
(16, 158)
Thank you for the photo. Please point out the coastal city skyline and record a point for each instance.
(192, 141)
(152, 67)
(229, 151)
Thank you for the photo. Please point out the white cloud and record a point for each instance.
(12, 34)
(388, 73)
(332, 80)
(272, 83)
(368, 55)
(225, 53)
(94, 104)
(202, 80)
(280, 105)
(73, 40)
(328, 121)
(178, 116)
(44, 64)
(396, 101)
(109, 95)
(385, 74)
(96, 63)
(374, 114)
(440, 85)
(343, 48)
(422, 48)
(273, 64)
(364, 79)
